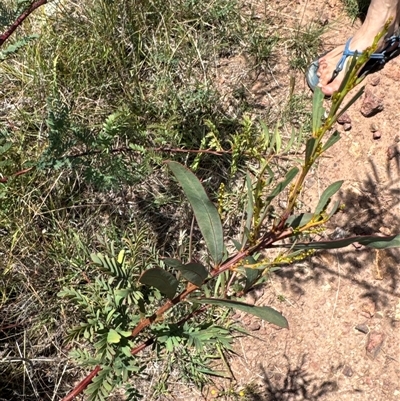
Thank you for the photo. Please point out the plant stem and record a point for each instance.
(6, 35)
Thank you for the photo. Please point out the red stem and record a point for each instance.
(21, 19)
(268, 240)
(82, 385)
(5, 179)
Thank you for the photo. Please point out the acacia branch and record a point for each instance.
(6, 35)
(265, 242)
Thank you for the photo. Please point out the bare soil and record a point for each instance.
(343, 306)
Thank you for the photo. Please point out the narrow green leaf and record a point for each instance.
(195, 273)
(263, 312)
(310, 148)
(299, 220)
(113, 337)
(237, 244)
(290, 175)
(218, 373)
(349, 70)
(331, 141)
(278, 140)
(372, 241)
(350, 103)
(317, 110)
(334, 209)
(97, 258)
(265, 131)
(291, 141)
(326, 196)
(5, 147)
(204, 210)
(164, 281)
(250, 201)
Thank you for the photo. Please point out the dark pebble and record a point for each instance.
(363, 328)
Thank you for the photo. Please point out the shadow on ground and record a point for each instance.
(294, 384)
(370, 209)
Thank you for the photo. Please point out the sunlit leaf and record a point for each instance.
(326, 196)
(278, 140)
(113, 337)
(350, 103)
(299, 220)
(206, 213)
(263, 312)
(121, 256)
(290, 175)
(250, 201)
(164, 281)
(318, 110)
(331, 141)
(335, 207)
(96, 259)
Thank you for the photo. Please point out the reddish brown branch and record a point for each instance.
(265, 242)
(82, 385)
(6, 35)
(5, 179)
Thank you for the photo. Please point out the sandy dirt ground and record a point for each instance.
(343, 306)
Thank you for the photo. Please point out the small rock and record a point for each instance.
(363, 328)
(374, 344)
(347, 127)
(373, 127)
(397, 138)
(344, 119)
(385, 231)
(377, 135)
(368, 308)
(392, 151)
(254, 326)
(347, 371)
(375, 80)
(371, 104)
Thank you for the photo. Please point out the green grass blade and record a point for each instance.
(326, 196)
(263, 312)
(206, 213)
(250, 202)
(278, 140)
